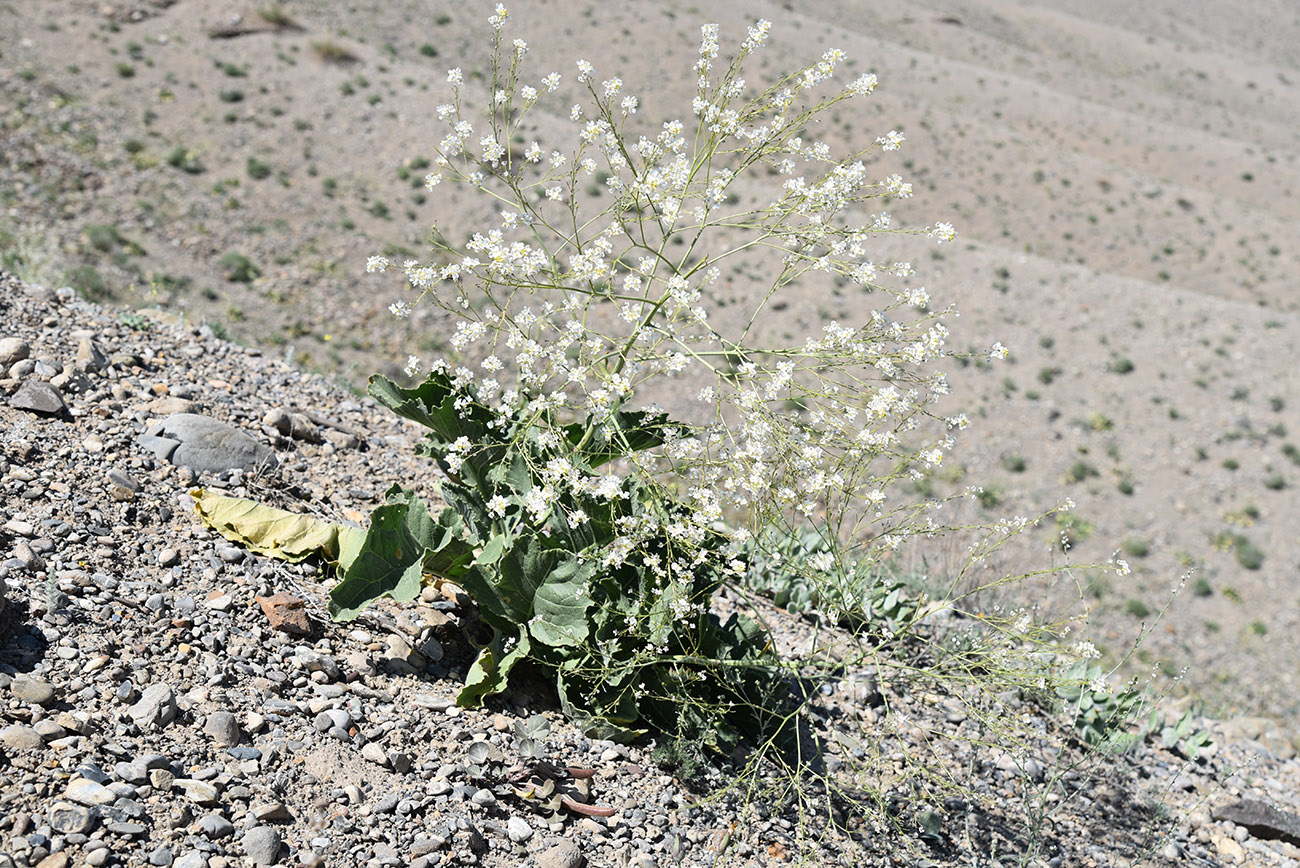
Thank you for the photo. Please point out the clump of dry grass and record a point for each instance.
(332, 52)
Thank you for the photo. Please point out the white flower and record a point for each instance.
(891, 141)
(376, 263)
(400, 309)
(612, 86)
(412, 366)
(454, 76)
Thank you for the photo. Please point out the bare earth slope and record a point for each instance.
(1123, 176)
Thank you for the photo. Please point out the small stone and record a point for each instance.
(192, 859)
(563, 855)
(519, 830)
(161, 779)
(37, 691)
(19, 737)
(162, 857)
(387, 804)
(287, 613)
(13, 350)
(49, 730)
(156, 708)
(69, 819)
(262, 845)
(483, 798)
(90, 358)
(215, 826)
(1262, 820)
(198, 792)
(310, 859)
(39, 398)
(98, 858)
(223, 727)
(87, 792)
(375, 753)
(54, 860)
(271, 812)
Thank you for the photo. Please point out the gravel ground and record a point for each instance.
(168, 699)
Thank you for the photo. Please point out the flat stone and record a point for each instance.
(28, 689)
(215, 826)
(192, 859)
(39, 398)
(563, 855)
(198, 792)
(69, 819)
(209, 445)
(373, 752)
(271, 812)
(262, 845)
(1262, 820)
(87, 792)
(287, 613)
(54, 860)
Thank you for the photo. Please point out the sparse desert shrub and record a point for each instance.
(185, 160)
(333, 52)
(257, 170)
(238, 268)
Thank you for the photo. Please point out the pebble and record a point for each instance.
(192, 859)
(198, 792)
(262, 845)
(25, 688)
(87, 792)
(215, 826)
(223, 727)
(156, 707)
(69, 819)
(375, 753)
(19, 737)
(519, 830)
(565, 854)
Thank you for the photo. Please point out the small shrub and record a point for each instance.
(1259, 628)
(428, 50)
(1136, 547)
(1014, 463)
(333, 52)
(257, 170)
(1136, 608)
(125, 70)
(1201, 587)
(1275, 482)
(1122, 366)
(1079, 471)
(231, 95)
(185, 160)
(238, 268)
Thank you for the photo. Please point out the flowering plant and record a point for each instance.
(593, 526)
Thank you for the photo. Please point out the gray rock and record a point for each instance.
(39, 398)
(387, 804)
(69, 819)
(519, 830)
(215, 826)
(162, 857)
(156, 708)
(563, 855)
(90, 358)
(375, 753)
(98, 858)
(262, 845)
(13, 350)
(198, 792)
(223, 727)
(192, 859)
(1262, 820)
(205, 444)
(90, 793)
(28, 689)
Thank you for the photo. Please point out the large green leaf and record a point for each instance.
(628, 432)
(391, 559)
(490, 671)
(560, 606)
